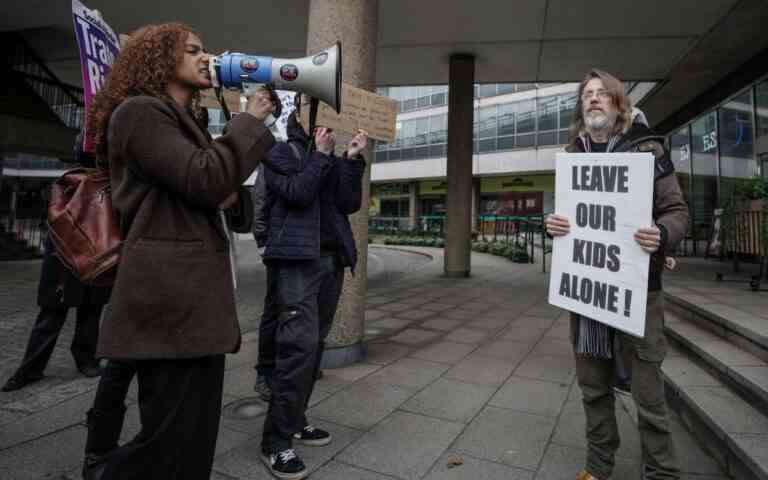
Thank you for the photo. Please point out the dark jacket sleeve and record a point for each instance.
(149, 131)
(299, 188)
(240, 216)
(670, 211)
(260, 208)
(350, 190)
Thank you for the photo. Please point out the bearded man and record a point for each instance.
(604, 122)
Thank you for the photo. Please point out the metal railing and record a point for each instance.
(65, 101)
(32, 231)
(520, 230)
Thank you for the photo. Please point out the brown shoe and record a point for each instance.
(585, 475)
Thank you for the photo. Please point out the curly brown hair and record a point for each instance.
(145, 66)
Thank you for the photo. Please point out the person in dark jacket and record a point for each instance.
(604, 122)
(172, 310)
(57, 292)
(309, 244)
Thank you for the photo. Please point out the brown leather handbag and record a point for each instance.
(84, 227)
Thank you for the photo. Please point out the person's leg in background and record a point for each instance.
(327, 301)
(180, 407)
(84, 340)
(106, 416)
(265, 365)
(42, 341)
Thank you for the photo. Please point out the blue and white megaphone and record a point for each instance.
(318, 76)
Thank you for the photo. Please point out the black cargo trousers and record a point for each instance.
(308, 293)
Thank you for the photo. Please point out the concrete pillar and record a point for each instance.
(475, 203)
(413, 203)
(355, 24)
(459, 195)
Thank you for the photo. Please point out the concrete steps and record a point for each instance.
(718, 384)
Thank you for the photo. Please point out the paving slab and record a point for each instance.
(553, 346)
(363, 405)
(445, 324)
(386, 353)
(450, 400)
(410, 373)
(562, 462)
(532, 396)
(512, 438)
(403, 445)
(475, 469)
(336, 470)
(414, 314)
(482, 369)
(506, 349)
(547, 367)
(444, 352)
(58, 452)
(415, 336)
(521, 332)
(390, 323)
(63, 415)
(245, 461)
(467, 335)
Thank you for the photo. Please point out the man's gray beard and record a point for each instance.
(597, 122)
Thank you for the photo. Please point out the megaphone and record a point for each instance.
(318, 76)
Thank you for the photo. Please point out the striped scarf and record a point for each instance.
(595, 339)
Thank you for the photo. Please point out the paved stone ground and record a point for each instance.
(476, 371)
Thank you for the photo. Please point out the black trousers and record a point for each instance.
(46, 331)
(265, 365)
(308, 294)
(180, 408)
(105, 418)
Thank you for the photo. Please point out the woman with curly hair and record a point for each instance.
(173, 312)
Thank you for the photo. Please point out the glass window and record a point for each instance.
(380, 156)
(548, 113)
(563, 137)
(547, 138)
(409, 132)
(526, 117)
(680, 151)
(737, 162)
(438, 128)
(506, 143)
(487, 145)
(524, 141)
(420, 130)
(487, 90)
(506, 119)
(437, 150)
(761, 99)
(567, 107)
(506, 88)
(477, 89)
(522, 87)
(487, 122)
(704, 165)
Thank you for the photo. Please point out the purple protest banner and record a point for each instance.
(98, 48)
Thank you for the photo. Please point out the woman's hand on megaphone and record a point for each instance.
(325, 140)
(260, 105)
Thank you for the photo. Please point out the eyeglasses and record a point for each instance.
(601, 94)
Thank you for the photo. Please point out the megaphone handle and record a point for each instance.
(314, 103)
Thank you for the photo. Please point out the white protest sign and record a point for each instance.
(598, 269)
